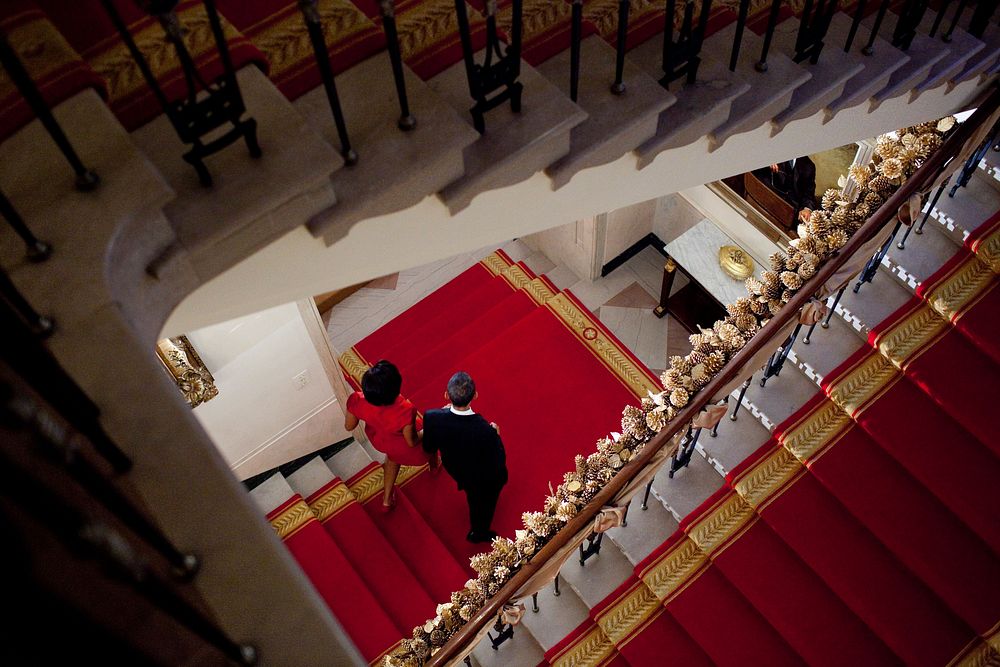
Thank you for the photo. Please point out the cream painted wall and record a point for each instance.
(573, 245)
(262, 417)
(297, 265)
(626, 226)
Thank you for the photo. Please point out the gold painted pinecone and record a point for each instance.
(791, 280)
(830, 198)
(679, 398)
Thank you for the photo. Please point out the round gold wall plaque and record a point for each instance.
(735, 262)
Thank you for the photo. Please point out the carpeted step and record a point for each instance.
(56, 69)
(440, 361)
(940, 454)
(965, 292)
(406, 528)
(279, 31)
(944, 364)
(88, 28)
(712, 612)
(643, 631)
(781, 587)
(519, 376)
(399, 327)
(924, 535)
(984, 242)
(913, 622)
(585, 645)
(380, 566)
(333, 576)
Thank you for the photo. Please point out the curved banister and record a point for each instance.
(925, 174)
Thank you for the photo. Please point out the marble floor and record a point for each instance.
(623, 300)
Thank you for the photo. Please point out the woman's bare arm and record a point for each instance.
(350, 421)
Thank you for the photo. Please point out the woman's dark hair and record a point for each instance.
(381, 383)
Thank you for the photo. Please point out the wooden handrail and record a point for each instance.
(734, 368)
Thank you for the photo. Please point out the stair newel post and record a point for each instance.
(946, 37)
(314, 25)
(772, 23)
(35, 250)
(618, 87)
(39, 325)
(86, 179)
(388, 10)
(576, 35)
(741, 24)
(855, 22)
(869, 48)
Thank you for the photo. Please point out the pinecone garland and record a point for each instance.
(837, 239)
(860, 174)
(874, 200)
(679, 398)
(655, 421)
(927, 143)
(777, 260)
(830, 198)
(680, 364)
(891, 168)
(746, 323)
(634, 423)
(791, 280)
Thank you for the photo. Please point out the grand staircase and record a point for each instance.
(308, 176)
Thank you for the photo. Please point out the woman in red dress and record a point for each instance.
(391, 423)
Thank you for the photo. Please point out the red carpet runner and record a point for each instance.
(867, 531)
(526, 344)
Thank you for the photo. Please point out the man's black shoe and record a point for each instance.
(477, 538)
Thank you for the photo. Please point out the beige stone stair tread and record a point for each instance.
(108, 237)
(700, 107)
(252, 202)
(616, 124)
(969, 208)
(782, 396)
(770, 92)
(521, 649)
(396, 169)
(602, 574)
(515, 145)
(883, 62)
(558, 615)
(829, 75)
(923, 254)
(688, 488)
(827, 348)
(349, 461)
(987, 58)
(646, 530)
(876, 301)
(270, 494)
(734, 440)
(963, 47)
(311, 477)
(924, 53)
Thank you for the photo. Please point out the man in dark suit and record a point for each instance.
(796, 181)
(471, 452)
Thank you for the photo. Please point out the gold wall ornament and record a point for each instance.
(182, 362)
(735, 262)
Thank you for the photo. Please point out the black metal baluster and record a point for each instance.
(645, 496)
(39, 325)
(618, 87)
(833, 309)
(939, 18)
(871, 267)
(739, 401)
(910, 17)
(388, 9)
(310, 13)
(197, 115)
(741, 23)
(697, 39)
(946, 37)
(772, 23)
(869, 48)
(981, 18)
(804, 25)
(576, 35)
(36, 251)
(777, 360)
(855, 22)
(86, 179)
(491, 77)
(668, 40)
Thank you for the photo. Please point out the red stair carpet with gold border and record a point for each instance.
(526, 344)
